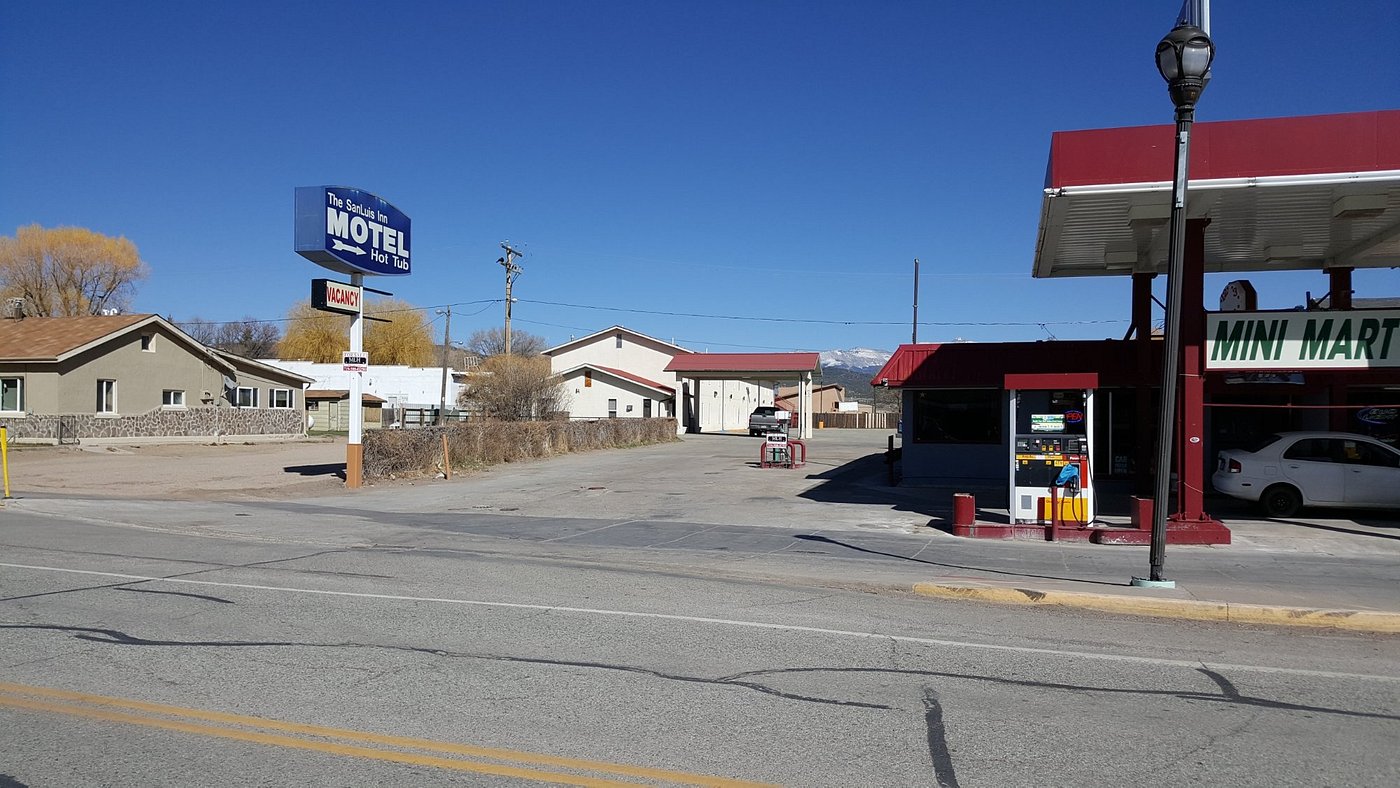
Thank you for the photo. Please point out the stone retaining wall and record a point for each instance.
(159, 423)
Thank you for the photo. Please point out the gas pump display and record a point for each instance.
(1051, 480)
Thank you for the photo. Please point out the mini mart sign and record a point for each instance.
(1303, 340)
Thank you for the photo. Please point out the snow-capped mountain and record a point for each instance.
(861, 358)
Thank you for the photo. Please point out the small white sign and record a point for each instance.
(775, 437)
(354, 362)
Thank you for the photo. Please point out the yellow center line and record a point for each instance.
(8, 690)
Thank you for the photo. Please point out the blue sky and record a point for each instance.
(776, 159)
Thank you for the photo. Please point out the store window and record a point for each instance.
(957, 416)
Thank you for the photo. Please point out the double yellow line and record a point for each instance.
(355, 744)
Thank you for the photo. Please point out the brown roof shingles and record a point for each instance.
(48, 338)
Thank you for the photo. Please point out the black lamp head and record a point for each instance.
(1183, 58)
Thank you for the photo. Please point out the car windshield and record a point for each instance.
(1263, 443)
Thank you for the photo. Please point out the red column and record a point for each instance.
(1146, 453)
(1339, 298)
(1190, 448)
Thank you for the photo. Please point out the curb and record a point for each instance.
(1275, 615)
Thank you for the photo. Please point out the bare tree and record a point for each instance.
(68, 271)
(249, 337)
(492, 342)
(513, 388)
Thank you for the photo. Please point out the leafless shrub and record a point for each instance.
(484, 442)
(513, 388)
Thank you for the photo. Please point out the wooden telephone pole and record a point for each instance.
(512, 271)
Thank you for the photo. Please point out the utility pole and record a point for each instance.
(512, 271)
(446, 347)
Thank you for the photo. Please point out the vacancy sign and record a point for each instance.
(329, 296)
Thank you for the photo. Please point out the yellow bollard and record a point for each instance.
(5, 458)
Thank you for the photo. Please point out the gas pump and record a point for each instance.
(1051, 479)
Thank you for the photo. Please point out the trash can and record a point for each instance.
(964, 509)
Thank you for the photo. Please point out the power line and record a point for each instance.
(818, 321)
(192, 321)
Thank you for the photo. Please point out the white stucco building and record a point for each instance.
(621, 373)
(399, 386)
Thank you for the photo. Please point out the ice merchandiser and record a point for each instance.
(1052, 479)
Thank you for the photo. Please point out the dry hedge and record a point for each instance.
(488, 442)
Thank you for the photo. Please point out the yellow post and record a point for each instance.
(5, 458)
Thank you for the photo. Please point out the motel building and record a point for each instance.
(1318, 193)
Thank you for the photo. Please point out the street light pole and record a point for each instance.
(1183, 57)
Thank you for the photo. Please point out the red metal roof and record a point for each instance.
(744, 362)
(1303, 193)
(1317, 144)
(986, 365)
(622, 373)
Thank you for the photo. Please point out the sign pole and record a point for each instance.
(354, 448)
(353, 232)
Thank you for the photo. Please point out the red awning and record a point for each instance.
(735, 366)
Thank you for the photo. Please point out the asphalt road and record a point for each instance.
(239, 650)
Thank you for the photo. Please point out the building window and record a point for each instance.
(12, 395)
(612, 408)
(646, 408)
(588, 378)
(246, 397)
(279, 398)
(106, 396)
(146, 340)
(619, 341)
(314, 404)
(172, 398)
(957, 416)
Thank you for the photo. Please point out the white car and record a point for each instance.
(1290, 470)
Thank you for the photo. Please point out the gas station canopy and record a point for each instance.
(1304, 193)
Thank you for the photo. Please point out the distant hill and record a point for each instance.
(853, 369)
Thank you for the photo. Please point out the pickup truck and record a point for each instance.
(764, 420)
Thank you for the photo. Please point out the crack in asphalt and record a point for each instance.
(1231, 697)
(1229, 694)
(119, 638)
(209, 567)
(176, 593)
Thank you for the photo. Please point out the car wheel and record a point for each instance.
(1281, 501)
